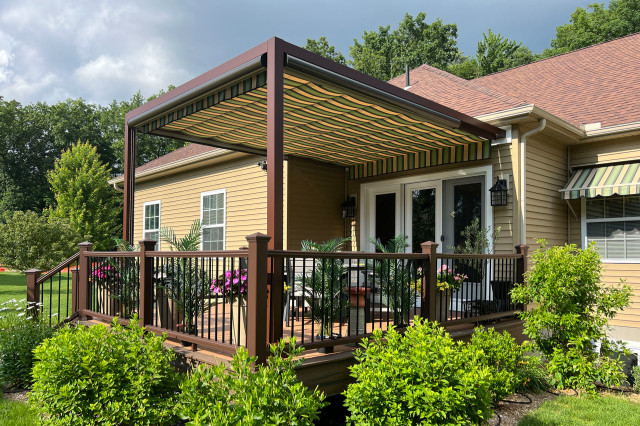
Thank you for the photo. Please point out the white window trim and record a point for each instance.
(583, 231)
(224, 217)
(144, 217)
(368, 191)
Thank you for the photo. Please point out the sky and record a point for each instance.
(105, 50)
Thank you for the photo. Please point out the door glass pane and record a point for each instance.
(423, 227)
(467, 205)
(385, 217)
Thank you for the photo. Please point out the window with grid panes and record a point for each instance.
(213, 220)
(613, 223)
(151, 222)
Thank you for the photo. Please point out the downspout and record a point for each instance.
(523, 177)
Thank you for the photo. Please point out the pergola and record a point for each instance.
(278, 99)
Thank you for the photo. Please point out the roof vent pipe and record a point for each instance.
(407, 80)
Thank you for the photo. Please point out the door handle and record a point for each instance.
(442, 238)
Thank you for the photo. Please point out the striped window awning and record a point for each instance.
(322, 121)
(620, 179)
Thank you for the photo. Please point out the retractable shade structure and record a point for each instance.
(590, 182)
(278, 99)
(327, 116)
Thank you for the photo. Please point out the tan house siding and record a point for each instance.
(179, 194)
(612, 272)
(316, 194)
(503, 217)
(546, 174)
(602, 152)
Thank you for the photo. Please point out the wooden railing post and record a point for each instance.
(429, 287)
(257, 321)
(145, 308)
(521, 264)
(75, 276)
(84, 266)
(33, 290)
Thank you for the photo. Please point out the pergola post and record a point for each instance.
(129, 182)
(275, 178)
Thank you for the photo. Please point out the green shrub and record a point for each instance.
(512, 370)
(270, 395)
(29, 240)
(636, 378)
(104, 376)
(421, 377)
(571, 311)
(20, 334)
(501, 354)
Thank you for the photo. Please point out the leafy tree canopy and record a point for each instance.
(596, 24)
(496, 53)
(83, 195)
(323, 48)
(384, 54)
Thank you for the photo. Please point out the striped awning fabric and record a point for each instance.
(324, 122)
(620, 179)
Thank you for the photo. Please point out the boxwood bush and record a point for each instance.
(270, 395)
(421, 377)
(106, 376)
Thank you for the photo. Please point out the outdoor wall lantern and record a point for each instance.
(499, 193)
(349, 208)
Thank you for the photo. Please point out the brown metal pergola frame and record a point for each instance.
(274, 55)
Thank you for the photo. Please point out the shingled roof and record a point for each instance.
(188, 151)
(600, 83)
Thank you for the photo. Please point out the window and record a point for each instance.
(151, 222)
(213, 220)
(613, 223)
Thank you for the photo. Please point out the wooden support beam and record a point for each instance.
(275, 173)
(129, 182)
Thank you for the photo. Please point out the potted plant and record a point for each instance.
(231, 287)
(323, 287)
(396, 279)
(447, 281)
(186, 286)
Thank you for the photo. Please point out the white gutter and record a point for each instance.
(523, 177)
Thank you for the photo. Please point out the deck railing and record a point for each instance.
(53, 295)
(220, 300)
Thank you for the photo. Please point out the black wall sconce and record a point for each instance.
(499, 193)
(262, 165)
(349, 207)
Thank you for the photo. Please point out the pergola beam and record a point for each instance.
(129, 182)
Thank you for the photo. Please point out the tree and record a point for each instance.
(323, 48)
(596, 24)
(83, 196)
(384, 54)
(147, 147)
(466, 68)
(496, 53)
(29, 240)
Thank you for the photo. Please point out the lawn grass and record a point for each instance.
(585, 410)
(16, 413)
(13, 285)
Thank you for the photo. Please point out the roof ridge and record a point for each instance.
(557, 56)
(476, 86)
